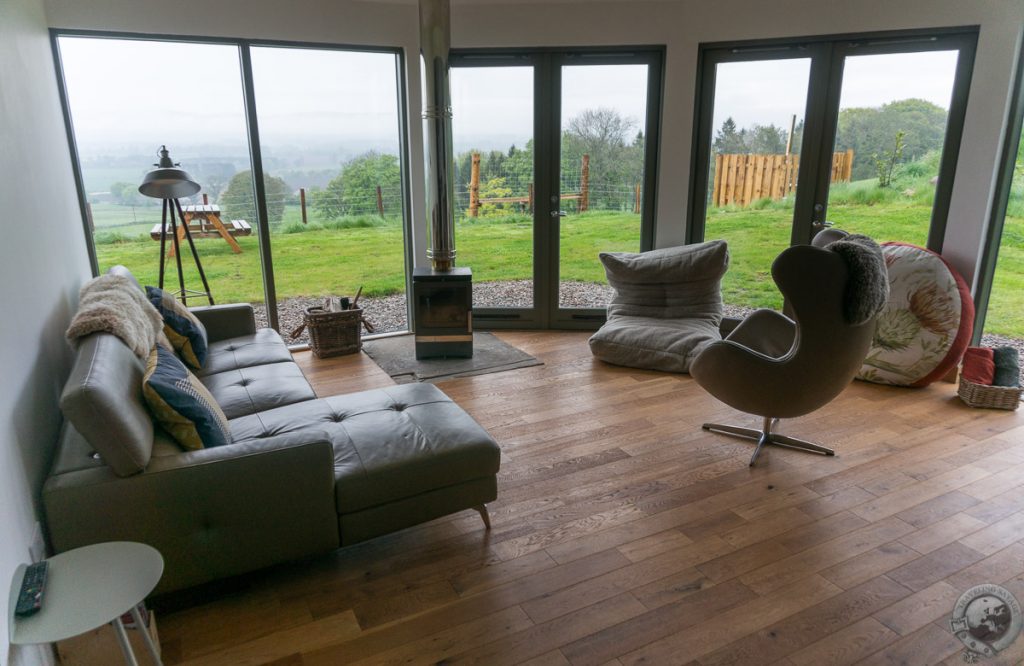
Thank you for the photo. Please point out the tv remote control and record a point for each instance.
(30, 599)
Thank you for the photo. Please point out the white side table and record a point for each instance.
(87, 588)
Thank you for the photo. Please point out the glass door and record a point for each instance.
(554, 163)
(752, 169)
(608, 108)
(862, 133)
(495, 186)
(890, 165)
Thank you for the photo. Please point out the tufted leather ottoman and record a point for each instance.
(402, 455)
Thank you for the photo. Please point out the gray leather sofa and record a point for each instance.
(302, 476)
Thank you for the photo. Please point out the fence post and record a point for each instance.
(474, 186)
(789, 139)
(716, 190)
(380, 202)
(748, 179)
(529, 196)
(585, 184)
(636, 198)
(302, 203)
(848, 171)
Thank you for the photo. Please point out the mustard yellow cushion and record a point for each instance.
(182, 328)
(181, 404)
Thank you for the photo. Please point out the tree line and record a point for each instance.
(615, 147)
(869, 131)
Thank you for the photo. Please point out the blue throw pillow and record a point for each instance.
(181, 404)
(183, 329)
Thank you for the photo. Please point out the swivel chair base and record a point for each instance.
(766, 436)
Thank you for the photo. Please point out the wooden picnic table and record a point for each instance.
(204, 221)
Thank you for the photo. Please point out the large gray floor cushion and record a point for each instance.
(667, 306)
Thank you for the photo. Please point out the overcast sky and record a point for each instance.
(770, 91)
(492, 101)
(145, 93)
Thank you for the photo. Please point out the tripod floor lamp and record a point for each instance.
(168, 181)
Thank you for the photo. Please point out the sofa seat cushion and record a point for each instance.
(261, 387)
(262, 347)
(389, 444)
(650, 342)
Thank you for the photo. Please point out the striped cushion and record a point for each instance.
(181, 404)
(183, 329)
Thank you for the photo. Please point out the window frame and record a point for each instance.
(244, 46)
(827, 54)
(989, 260)
(547, 62)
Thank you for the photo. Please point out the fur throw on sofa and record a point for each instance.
(868, 289)
(114, 304)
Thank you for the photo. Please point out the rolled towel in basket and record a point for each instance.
(979, 367)
(1007, 367)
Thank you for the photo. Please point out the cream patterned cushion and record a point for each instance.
(927, 323)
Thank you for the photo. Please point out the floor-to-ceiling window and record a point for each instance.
(332, 162)
(123, 106)
(1000, 292)
(323, 127)
(1004, 321)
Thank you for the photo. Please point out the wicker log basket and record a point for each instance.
(332, 332)
(992, 397)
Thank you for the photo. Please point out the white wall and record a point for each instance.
(680, 25)
(42, 264)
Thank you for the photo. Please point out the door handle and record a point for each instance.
(817, 223)
(558, 213)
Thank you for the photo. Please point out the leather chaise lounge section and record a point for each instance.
(303, 475)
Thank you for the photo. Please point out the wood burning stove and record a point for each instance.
(443, 313)
(442, 294)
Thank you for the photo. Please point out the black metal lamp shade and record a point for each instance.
(168, 180)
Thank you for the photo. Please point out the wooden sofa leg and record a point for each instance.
(482, 510)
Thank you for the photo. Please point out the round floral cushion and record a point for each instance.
(926, 325)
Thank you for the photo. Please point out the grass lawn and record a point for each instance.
(321, 260)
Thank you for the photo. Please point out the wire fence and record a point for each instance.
(313, 206)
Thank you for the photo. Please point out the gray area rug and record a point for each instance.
(397, 357)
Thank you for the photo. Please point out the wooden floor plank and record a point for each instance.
(623, 533)
(807, 626)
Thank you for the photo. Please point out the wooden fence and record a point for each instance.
(742, 179)
(475, 201)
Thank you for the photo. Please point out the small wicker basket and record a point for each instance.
(332, 332)
(992, 397)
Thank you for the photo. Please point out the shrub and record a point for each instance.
(112, 237)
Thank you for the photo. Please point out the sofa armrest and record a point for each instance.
(226, 321)
(211, 513)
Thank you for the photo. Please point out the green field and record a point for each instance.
(325, 259)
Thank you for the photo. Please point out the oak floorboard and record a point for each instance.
(623, 534)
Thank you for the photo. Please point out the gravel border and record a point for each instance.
(387, 314)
